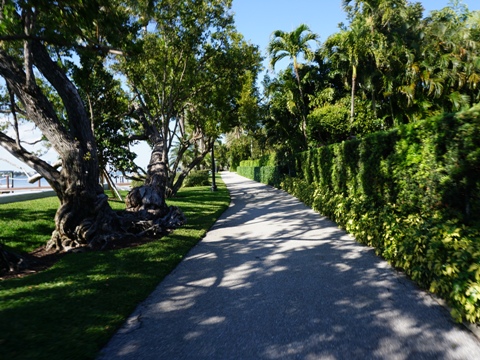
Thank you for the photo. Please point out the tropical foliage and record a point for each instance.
(412, 193)
(388, 105)
(389, 66)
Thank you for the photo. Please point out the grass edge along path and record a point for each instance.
(71, 310)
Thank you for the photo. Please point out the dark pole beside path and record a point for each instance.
(214, 185)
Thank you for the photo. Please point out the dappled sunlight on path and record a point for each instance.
(275, 280)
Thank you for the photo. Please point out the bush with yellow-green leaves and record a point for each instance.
(412, 193)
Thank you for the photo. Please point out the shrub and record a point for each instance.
(269, 175)
(197, 178)
(266, 160)
(264, 170)
(413, 193)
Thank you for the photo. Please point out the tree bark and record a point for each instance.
(84, 218)
(148, 200)
(302, 100)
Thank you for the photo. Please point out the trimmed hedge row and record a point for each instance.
(264, 170)
(413, 194)
(269, 175)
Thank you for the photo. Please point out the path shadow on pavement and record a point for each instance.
(274, 280)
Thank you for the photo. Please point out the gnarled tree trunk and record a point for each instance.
(83, 209)
(84, 218)
(148, 200)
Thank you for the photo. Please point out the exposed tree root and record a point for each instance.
(79, 228)
(11, 261)
(126, 228)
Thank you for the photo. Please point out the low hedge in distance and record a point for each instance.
(269, 175)
(264, 170)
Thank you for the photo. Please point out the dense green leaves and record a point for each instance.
(192, 80)
(412, 193)
(390, 65)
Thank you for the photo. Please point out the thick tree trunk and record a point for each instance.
(84, 217)
(148, 200)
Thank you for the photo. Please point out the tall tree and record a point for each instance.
(293, 45)
(34, 35)
(448, 67)
(350, 47)
(185, 80)
(389, 36)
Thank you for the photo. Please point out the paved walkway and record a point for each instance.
(274, 280)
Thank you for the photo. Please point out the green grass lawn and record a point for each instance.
(27, 225)
(72, 309)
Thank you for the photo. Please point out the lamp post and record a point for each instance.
(214, 186)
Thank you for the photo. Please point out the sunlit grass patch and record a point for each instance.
(71, 310)
(27, 225)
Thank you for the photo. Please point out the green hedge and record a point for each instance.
(269, 175)
(414, 195)
(266, 160)
(264, 170)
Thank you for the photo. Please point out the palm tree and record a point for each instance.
(450, 61)
(386, 33)
(292, 45)
(346, 51)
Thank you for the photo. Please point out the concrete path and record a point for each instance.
(274, 280)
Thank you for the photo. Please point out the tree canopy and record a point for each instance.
(389, 65)
(95, 76)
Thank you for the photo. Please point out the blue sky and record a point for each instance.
(256, 20)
